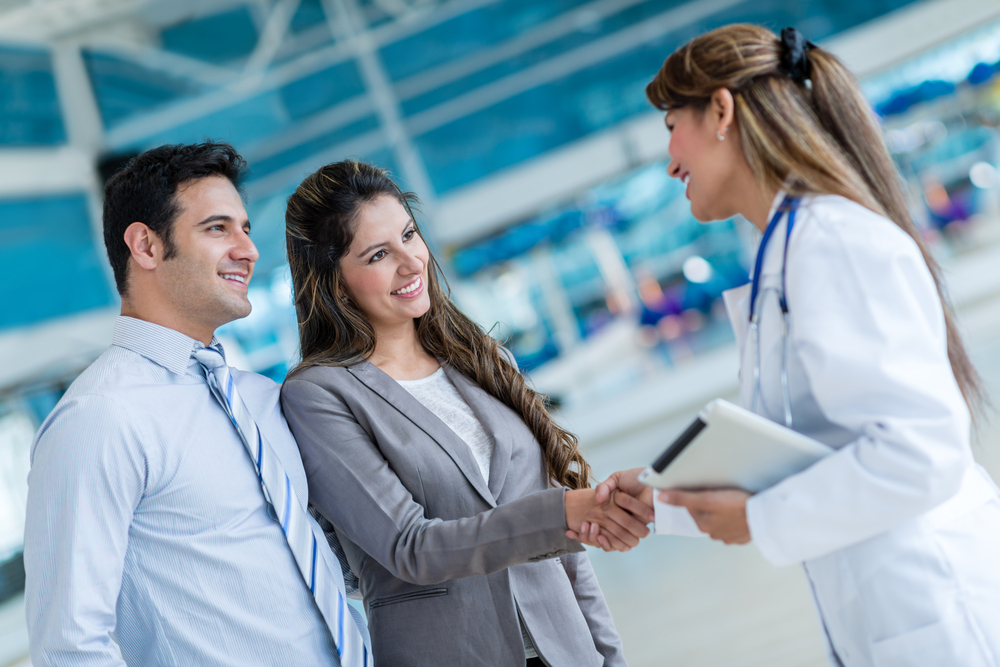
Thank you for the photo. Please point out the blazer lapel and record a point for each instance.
(494, 423)
(376, 380)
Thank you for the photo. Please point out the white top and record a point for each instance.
(437, 393)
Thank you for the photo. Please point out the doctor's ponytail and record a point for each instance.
(805, 127)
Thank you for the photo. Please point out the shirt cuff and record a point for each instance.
(672, 520)
(759, 533)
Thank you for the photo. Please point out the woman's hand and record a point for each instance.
(722, 514)
(614, 518)
(625, 490)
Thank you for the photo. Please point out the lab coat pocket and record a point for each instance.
(938, 643)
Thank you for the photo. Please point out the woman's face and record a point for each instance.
(703, 162)
(385, 269)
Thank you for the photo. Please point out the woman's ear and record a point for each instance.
(722, 108)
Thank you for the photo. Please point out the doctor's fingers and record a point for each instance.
(640, 507)
(719, 500)
(623, 480)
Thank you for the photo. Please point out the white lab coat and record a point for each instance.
(899, 529)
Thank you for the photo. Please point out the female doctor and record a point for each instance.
(845, 337)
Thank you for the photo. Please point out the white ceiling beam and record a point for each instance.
(345, 15)
(42, 171)
(41, 22)
(900, 35)
(271, 37)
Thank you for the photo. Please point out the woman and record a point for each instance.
(899, 529)
(430, 455)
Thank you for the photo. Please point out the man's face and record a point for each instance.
(205, 283)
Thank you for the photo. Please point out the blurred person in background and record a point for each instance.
(440, 470)
(846, 337)
(150, 538)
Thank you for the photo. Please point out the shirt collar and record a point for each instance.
(778, 198)
(163, 346)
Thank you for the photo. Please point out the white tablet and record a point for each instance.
(729, 447)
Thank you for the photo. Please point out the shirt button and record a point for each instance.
(270, 511)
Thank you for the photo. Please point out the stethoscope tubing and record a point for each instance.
(789, 206)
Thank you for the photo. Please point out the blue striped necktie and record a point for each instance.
(319, 568)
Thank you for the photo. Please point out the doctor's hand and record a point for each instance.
(722, 514)
(624, 489)
(619, 529)
(628, 482)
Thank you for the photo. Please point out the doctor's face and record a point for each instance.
(702, 162)
(385, 269)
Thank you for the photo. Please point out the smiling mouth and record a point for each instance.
(235, 277)
(686, 178)
(409, 289)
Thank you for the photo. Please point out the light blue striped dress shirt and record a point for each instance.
(148, 540)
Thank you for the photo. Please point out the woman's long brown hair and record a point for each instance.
(821, 138)
(334, 332)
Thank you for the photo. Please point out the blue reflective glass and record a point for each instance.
(124, 88)
(50, 265)
(218, 38)
(240, 124)
(324, 89)
(467, 33)
(308, 14)
(538, 120)
(29, 106)
(316, 149)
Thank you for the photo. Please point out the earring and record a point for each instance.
(720, 135)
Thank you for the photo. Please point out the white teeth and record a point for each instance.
(233, 276)
(686, 179)
(409, 288)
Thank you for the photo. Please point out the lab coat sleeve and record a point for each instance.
(673, 520)
(868, 328)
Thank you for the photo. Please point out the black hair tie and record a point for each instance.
(793, 58)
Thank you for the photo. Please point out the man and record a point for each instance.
(150, 537)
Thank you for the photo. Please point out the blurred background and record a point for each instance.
(523, 127)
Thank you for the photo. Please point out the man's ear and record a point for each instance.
(723, 109)
(144, 245)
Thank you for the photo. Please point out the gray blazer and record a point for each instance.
(446, 561)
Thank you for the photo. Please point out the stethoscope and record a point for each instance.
(788, 205)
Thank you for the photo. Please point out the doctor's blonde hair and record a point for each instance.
(821, 138)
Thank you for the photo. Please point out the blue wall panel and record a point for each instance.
(49, 264)
(29, 106)
(219, 38)
(125, 89)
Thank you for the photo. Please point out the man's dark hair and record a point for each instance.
(145, 190)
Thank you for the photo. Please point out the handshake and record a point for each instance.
(614, 515)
